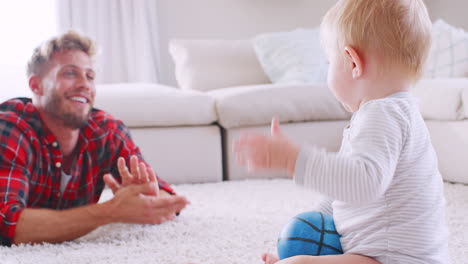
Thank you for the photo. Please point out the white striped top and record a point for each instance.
(385, 189)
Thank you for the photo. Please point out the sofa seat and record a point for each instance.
(443, 99)
(174, 129)
(255, 105)
(156, 105)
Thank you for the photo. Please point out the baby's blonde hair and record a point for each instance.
(398, 30)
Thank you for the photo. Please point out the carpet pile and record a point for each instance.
(227, 222)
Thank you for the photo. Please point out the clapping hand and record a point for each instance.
(256, 151)
(138, 199)
(138, 174)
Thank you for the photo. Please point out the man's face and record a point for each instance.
(67, 88)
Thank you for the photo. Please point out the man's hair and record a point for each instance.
(398, 30)
(70, 40)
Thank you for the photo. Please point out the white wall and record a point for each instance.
(22, 30)
(242, 19)
(455, 12)
(231, 19)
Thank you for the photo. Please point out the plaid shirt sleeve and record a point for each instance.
(15, 154)
(126, 148)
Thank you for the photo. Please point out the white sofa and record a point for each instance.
(187, 133)
(444, 106)
(311, 115)
(175, 130)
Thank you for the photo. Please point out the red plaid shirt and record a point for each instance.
(30, 161)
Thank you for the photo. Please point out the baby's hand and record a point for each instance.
(267, 152)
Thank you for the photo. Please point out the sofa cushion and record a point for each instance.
(292, 57)
(211, 64)
(256, 105)
(148, 105)
(448, 57)
(441, 99)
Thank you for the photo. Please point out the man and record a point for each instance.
(57, 152)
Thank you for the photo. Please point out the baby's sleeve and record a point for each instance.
(365, 171)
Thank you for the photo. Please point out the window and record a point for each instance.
(24, 24)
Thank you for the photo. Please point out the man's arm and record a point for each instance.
(129, 205)
(53, 226)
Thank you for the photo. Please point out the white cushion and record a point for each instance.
(448, 56)
(147, 105)
(256, 105)
(211, 64)
(292, 57)
(440, 99)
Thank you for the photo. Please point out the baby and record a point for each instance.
(383, 188)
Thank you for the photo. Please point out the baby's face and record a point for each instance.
(340, 79)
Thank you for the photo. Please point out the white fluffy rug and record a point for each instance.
(227, 222)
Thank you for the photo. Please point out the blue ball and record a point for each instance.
(309, 233)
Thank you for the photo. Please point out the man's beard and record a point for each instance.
(55, 107)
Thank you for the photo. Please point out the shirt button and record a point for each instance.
(54, 144)
(58, 164)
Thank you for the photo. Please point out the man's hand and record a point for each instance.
(267, 152)
(139, 174)
(131, 205)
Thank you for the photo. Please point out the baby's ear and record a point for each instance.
(355, 59)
